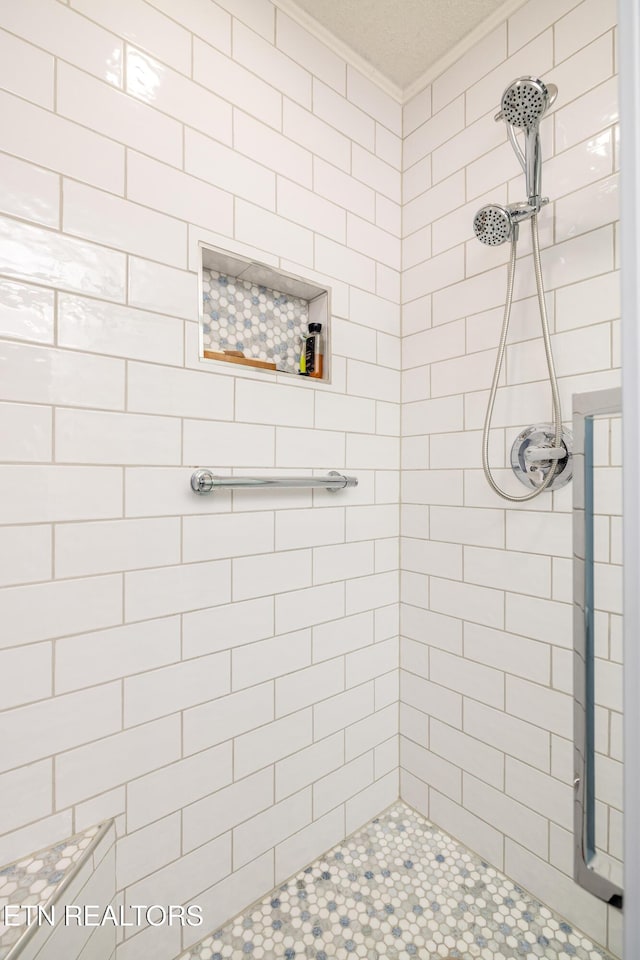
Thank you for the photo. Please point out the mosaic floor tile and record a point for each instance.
(32, 880)
(398, 888)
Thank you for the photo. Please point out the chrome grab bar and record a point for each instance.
(204, 481)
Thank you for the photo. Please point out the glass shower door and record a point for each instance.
(598, 711)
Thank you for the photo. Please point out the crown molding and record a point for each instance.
(399, 94)
(463, 46)
(336, 45)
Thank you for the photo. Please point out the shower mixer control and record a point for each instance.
(535, 454)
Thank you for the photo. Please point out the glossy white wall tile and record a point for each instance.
(181, 195)
(165, 590)
(29, 192)
(51, 725)
(84, 660)
(235, 83)
(26, 312)
(100, 437)
(309, 764)
(172, 93)
(229, 717)
(116, 115)
(271, 148)
(69, 37)
(502, 636)
(41, 137)
(263, 626)
(219, 812)
(256, 662)
(212, 25)
(27, 794)
(26, 432)
(99, 327)
(329, 181)
(271, 742)
(308, 51)
(31, 253)
(267, 829)
(162, 37)
(106, 219)
(378, 174)
(46, 610)
(174, 688)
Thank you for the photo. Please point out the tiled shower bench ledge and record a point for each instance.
(78, 870)
(398, 888)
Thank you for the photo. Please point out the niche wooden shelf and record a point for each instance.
(243, 361)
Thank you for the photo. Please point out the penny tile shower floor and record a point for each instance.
(398, 888)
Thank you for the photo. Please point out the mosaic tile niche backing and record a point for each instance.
(398, 888)
(264, 323)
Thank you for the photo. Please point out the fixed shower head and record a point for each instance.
(526, 100)
(495, 224)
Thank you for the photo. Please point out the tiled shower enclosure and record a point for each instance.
(227, 676)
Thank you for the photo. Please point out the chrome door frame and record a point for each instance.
(589, 869)
(629, 87)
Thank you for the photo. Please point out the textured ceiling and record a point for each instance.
(400, 38)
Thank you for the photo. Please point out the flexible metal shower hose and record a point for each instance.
(557, 413)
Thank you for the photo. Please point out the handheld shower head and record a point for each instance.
(495, 224)
(523, 105)
(526, 100)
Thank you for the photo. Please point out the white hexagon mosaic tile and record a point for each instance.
(264, 324)
(32, 880)
(398, 888)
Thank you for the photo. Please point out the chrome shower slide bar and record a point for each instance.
(204, 481)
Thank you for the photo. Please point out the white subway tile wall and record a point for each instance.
(208, 671)
(486, 631)
(221, 674)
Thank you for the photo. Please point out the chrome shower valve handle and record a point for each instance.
(535, 454)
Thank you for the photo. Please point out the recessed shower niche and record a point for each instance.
(254, 315)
